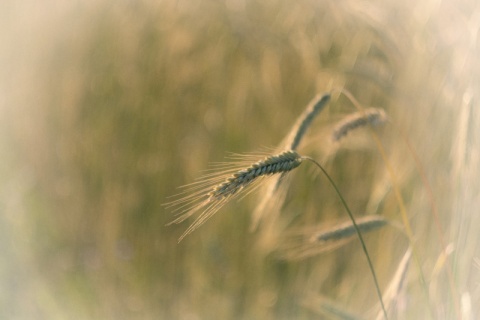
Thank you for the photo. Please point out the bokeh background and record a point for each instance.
(106, 107)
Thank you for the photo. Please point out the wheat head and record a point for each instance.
(212, 191)
(370, 116)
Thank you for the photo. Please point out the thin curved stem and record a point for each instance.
(364, 247)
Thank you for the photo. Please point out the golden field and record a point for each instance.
(107, 107)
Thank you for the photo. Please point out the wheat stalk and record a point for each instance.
(213, 191)
(312, 241)
(392, 293)
(324, 306)
(273, 193)
(303, 122)
(281, 163)
(347, 229)
(370, 116)
(359, 233)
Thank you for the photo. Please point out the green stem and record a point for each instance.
(364, 247)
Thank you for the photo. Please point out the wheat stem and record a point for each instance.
(397, 282)
(357, 229)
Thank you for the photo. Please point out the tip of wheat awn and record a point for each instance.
(371, 116)
(207, 195)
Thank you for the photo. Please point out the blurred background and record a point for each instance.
(107, 107)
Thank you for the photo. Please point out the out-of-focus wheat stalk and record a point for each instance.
(392, 294)
(325, 306)
(316, 240)
(370, 116)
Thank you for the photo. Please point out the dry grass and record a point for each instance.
(106, 107)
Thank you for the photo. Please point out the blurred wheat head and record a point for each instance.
(106, 107)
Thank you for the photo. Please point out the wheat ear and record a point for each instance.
(281, 163)
(273, 194)
(310, 242)
(213, 191)
(347, 229)
(303, 122)
(370, 116)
